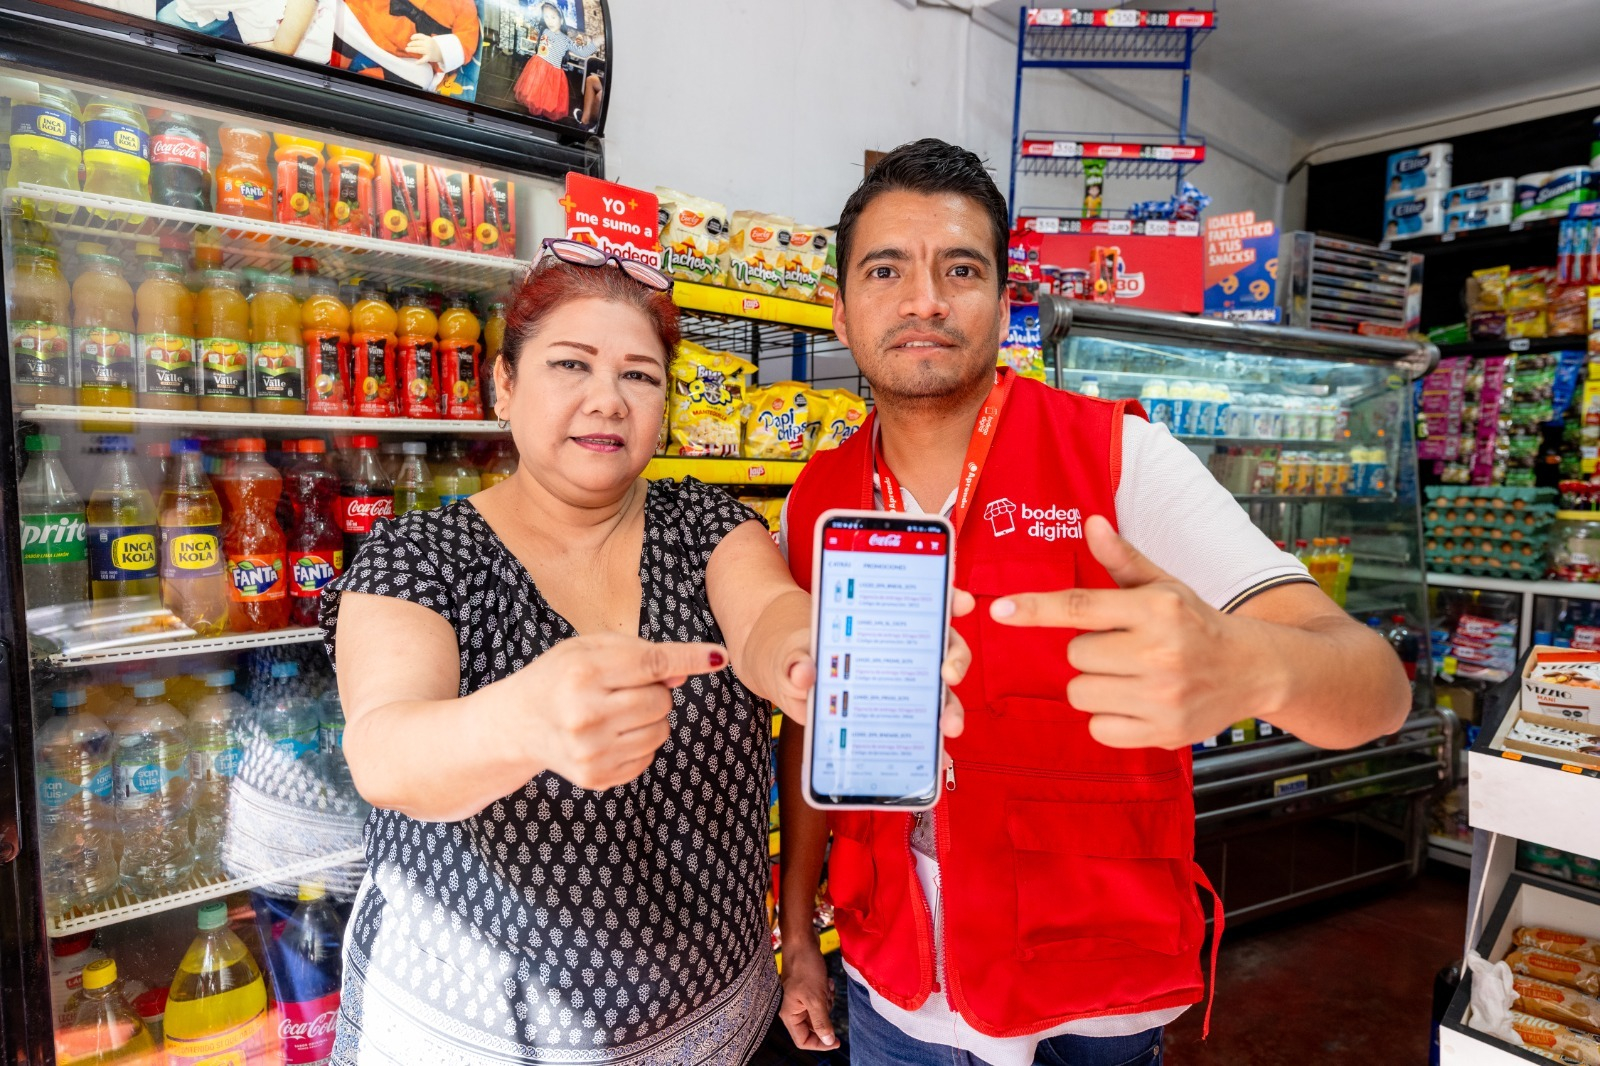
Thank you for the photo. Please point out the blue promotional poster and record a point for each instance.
(1241, 268)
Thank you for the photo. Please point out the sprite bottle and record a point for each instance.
(55, 561)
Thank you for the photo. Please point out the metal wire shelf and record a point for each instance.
(1136, 156)
(780, 352)
(1118, 37)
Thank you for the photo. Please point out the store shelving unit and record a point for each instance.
(1516, 345)
(176, 648)
(219, 420)
(1116, 39)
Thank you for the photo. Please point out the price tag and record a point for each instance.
(1288, 786)
(1047, 225)
(1186, 229)
(1162, 152)
(1158, 227)
(1047, 16)
(1065, 149)
(1123, 19)
(1520, 344)
(1119, 227)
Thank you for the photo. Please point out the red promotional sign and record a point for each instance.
(1156, 273)
(613, 218)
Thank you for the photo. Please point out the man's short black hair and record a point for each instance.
(928, 166)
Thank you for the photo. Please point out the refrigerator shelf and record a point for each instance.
(124, 906)
(227, 420)
(269, 246)
(175, 648)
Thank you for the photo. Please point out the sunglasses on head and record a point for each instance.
(587, 255)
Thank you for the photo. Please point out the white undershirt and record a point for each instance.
(1172, 510)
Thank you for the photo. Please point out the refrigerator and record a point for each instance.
(336, 163)
(1313, 434)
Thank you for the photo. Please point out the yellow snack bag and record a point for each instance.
(757, 248)
(803, 263)
(694, 237)
(775, 421)
(707, 402)
(845, 413)
(828, 287)
(769, 509)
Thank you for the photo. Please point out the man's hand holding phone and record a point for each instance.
(1160, 667)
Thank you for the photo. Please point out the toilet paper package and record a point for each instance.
(1494, 191)
(1417, 215)
(1479, 216)
(1417, 169)
(1527, 191)
(1562, 189)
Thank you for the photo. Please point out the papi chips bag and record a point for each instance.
(842, 414)
(757, 251)
(694, 237)
(776, 421)
(707, 402)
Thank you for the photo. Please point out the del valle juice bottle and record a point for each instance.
(102, 333)
(166, 339)
(276, 353)
(372, 351)
(349, 190)
(254, 543)
(316, 541)
(460, 359)
(217, 1006)
(325, 322)
(222, 345)
(41, 328)
(418, 355)
(302, 191)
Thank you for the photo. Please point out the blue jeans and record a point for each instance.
(874, 1041)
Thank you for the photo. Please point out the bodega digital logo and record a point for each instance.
(1050, 523)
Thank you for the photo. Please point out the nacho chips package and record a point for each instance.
(776, 417)
(757, 248)
(803, 263)
(828, 287)
(843, 413)
(694, 237)
(707, 401)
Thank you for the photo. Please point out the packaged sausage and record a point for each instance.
(494, 216)
(448, 207)
(757, 248)
(1573, 946)
(694, 237)
(1557, 969)
(1565, 1005)
(398, 191)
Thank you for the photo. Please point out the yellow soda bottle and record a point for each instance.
(99, 1028)
(194, 580)
(217, 1006)
(122, 523)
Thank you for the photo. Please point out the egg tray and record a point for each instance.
(1452, 520)
(1530, 572)
(1493, 553)
(1497, 497)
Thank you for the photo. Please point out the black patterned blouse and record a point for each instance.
(561, 925)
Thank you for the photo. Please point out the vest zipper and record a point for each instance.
(924, 919)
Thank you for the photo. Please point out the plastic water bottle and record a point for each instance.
(151, 786)
(77, 821)
(217, 1006)
(330, 743)
(291, 722)
(306, 973)
(100, 1027)
(215, 747)
(414, 482)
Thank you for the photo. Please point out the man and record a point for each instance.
(1045, 910)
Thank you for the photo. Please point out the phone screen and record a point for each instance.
(881, 608)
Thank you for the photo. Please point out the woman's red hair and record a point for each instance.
(552, 284)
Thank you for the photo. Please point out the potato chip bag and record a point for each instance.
(803, 263)
(828, 287)
(757, 248)
(845, 414)
(775, 421)
(707, 401)
(694, 237)
(769, 509)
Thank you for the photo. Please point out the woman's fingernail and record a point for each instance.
(1003, 609)
(718, 660)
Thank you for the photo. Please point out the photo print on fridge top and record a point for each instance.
(545, 59)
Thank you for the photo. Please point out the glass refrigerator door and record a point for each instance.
(212, 356)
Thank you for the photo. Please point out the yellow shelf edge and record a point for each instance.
(729, 471)
(713, 300)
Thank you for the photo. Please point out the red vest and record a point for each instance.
(1066, 867)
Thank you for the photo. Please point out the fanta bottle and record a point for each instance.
(254, 543)
(116, 154)
(460, 362)
(244, 184)
(217, 1006)
(316, 541)
(194, 579)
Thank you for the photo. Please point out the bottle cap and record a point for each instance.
(321, 286)
(304, 264)
(44, 442)
(99, 974)
(152, 1004)
(221, 279)
(217, 679)
(455, 298)
(146, 689)
(285, 669)
(392, 447)
(69, 697)
(313, 446)
(310, 890)
(62, 946)
(213, 915)
(114, 444)
(187, 445)
(250, 444)
(414, 447)
(364, 440)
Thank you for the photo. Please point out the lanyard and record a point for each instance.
(978, 447)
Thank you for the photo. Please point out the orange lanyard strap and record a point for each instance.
(978, 449)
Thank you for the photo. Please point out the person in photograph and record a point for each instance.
(423, 42)
(542, 86)
(300, 28)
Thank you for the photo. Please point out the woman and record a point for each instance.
(568, 855)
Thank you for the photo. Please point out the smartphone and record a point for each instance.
(880, 611)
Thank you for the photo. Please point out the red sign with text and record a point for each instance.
(1155, 273)
(616, 219)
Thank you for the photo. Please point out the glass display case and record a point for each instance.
(1312, 433)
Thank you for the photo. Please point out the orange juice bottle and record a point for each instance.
(460, 359)
(373, 323)
(302, 188)
(41, 328)
(494, 338)
(102, 333)
(349, 190)
(418, 355)
(276, 356)
(325, 322)
(244, 184)
(222, 343)
(166, 339)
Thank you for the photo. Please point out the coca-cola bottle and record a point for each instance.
(306, 972)
(180, 163)
(316, 541)
(366, 495)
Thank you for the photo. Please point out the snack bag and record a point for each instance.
(775, 421)
(769, 509)
(844, 413)
(804, 262)
(1023, 351)
(1529, 288)
(757, 248)
(1487, 289)
(694, 237)
(494, 216)
(828, 287)
(399, 190)
(707, 401)
(448, 209)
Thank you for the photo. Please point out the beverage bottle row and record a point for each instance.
(1330, 562)
(139, 798)
(217, 1007)
(99, 343)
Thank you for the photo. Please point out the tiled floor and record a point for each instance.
(1345, 983)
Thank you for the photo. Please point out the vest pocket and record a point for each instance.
(1103, 880)
(1025, 670)
(850, 869)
